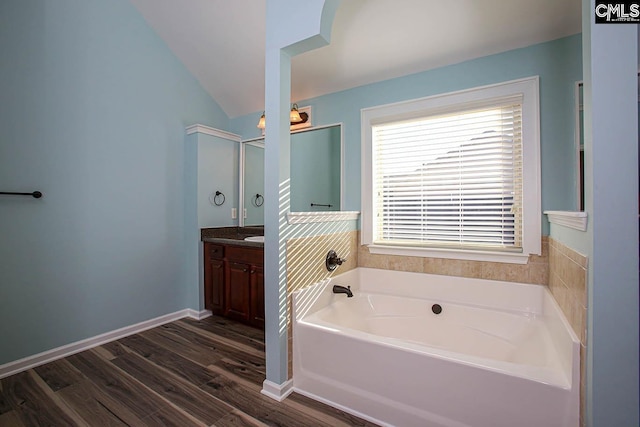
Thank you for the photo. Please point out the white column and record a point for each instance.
(293, 27)
(610, 58)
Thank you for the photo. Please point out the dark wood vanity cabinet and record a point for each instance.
(234, 283)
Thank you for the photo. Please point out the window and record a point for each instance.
(454, 175)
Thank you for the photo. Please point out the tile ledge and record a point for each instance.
(570, 219)
(324, 216)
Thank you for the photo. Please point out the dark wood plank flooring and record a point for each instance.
(184, 373)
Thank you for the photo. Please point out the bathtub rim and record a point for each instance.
(527, 372)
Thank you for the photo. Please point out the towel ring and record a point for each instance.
(217, 199)
(257, 200)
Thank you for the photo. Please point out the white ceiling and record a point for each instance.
(222, 41)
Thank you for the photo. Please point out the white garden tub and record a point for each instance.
(498, 354)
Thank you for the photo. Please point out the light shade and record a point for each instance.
(294, 116)
(262, 122)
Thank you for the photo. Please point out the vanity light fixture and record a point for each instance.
(295, 117)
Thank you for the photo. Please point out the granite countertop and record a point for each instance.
(232, 235)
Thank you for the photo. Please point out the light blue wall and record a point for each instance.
(217, 171)
(559, 65)
(210, 165)
(575, 239)
(93, 113)
(193, 272)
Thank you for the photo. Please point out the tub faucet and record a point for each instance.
(333, 260)
(337, 289)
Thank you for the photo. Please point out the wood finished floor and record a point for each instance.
(184, 373)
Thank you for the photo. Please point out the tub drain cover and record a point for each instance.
(436, 308)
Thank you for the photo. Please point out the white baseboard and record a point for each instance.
(198, 315)
(275, 391)
(67, 350)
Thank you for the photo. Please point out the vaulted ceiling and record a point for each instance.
(222, 42)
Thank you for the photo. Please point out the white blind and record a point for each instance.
(451, 178)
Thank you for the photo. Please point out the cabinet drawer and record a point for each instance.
(214, 251)
(253, 256)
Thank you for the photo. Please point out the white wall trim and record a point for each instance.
(275, 391)
(29, 362)
(325, 216)
(571, 219)
(198, 315)
(213, 132)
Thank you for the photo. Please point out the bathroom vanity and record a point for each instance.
(234, 275)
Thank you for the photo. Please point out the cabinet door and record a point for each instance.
(216, 303)
(213, 278)
(238, 290)
(257, 296)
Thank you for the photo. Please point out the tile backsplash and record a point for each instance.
(306, 258)
(568, 284)
(306, 265)
(535, 271)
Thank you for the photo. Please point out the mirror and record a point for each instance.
(315, 170)
(579, 134)
(316, 173)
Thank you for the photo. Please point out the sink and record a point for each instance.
(255, 239)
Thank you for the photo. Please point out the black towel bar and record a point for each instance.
(35, 194)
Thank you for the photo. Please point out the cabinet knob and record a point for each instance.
(244, 270)
(253, 272)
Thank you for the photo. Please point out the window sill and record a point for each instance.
(469, 255)
(575, 220)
